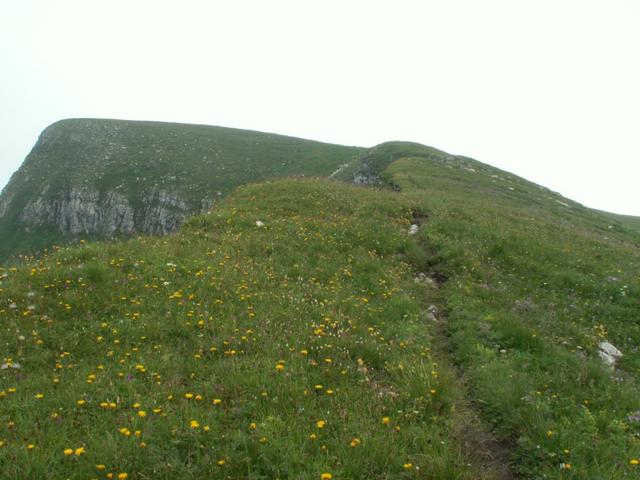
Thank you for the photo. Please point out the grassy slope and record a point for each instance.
(534, 286)
(132, 157)
(167, 326)
(374, 160)
(629, 221)
(535, 282)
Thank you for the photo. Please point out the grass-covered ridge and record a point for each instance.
(535, 284)
(290, 348)
(629, 221)
(197, 160)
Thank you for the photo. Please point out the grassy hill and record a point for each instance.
(445, 325)
(628, 220)
(180, 169)
(534, 287)
(232, 350)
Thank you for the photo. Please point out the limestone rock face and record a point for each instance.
(87, 212)
(5, 201)
(363, 178)
(162, 212)
(81, 212)
(609, 353)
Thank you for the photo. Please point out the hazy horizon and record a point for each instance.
(547, 91)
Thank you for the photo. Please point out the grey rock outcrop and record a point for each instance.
(363, 178)
(162, 212)
(88, 212)
(78, 211)
(5, 201)
(609, 354)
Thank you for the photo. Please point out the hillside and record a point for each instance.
(114, 178)
(627, 220)
(451, 323)
(290, 348)
(535, 287)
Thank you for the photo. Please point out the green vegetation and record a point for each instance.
(367, 166)
(300, 331)
(197, 160)
(232, 350)
(534, 286)
(627, 221)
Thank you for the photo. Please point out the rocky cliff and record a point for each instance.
(90, 212)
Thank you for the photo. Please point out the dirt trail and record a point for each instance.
(485, 452)
(488, 457)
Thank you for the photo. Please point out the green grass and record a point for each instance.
(324, 288)
(627, 221)
(369, 164)
(260, 332)
(533, 287)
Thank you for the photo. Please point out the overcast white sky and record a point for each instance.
(546, 89)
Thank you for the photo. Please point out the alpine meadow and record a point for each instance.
(186, 301)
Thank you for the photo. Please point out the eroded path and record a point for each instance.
(488, 457)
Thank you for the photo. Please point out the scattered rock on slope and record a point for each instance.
(609, 354)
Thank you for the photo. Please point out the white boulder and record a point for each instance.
(609, 354)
